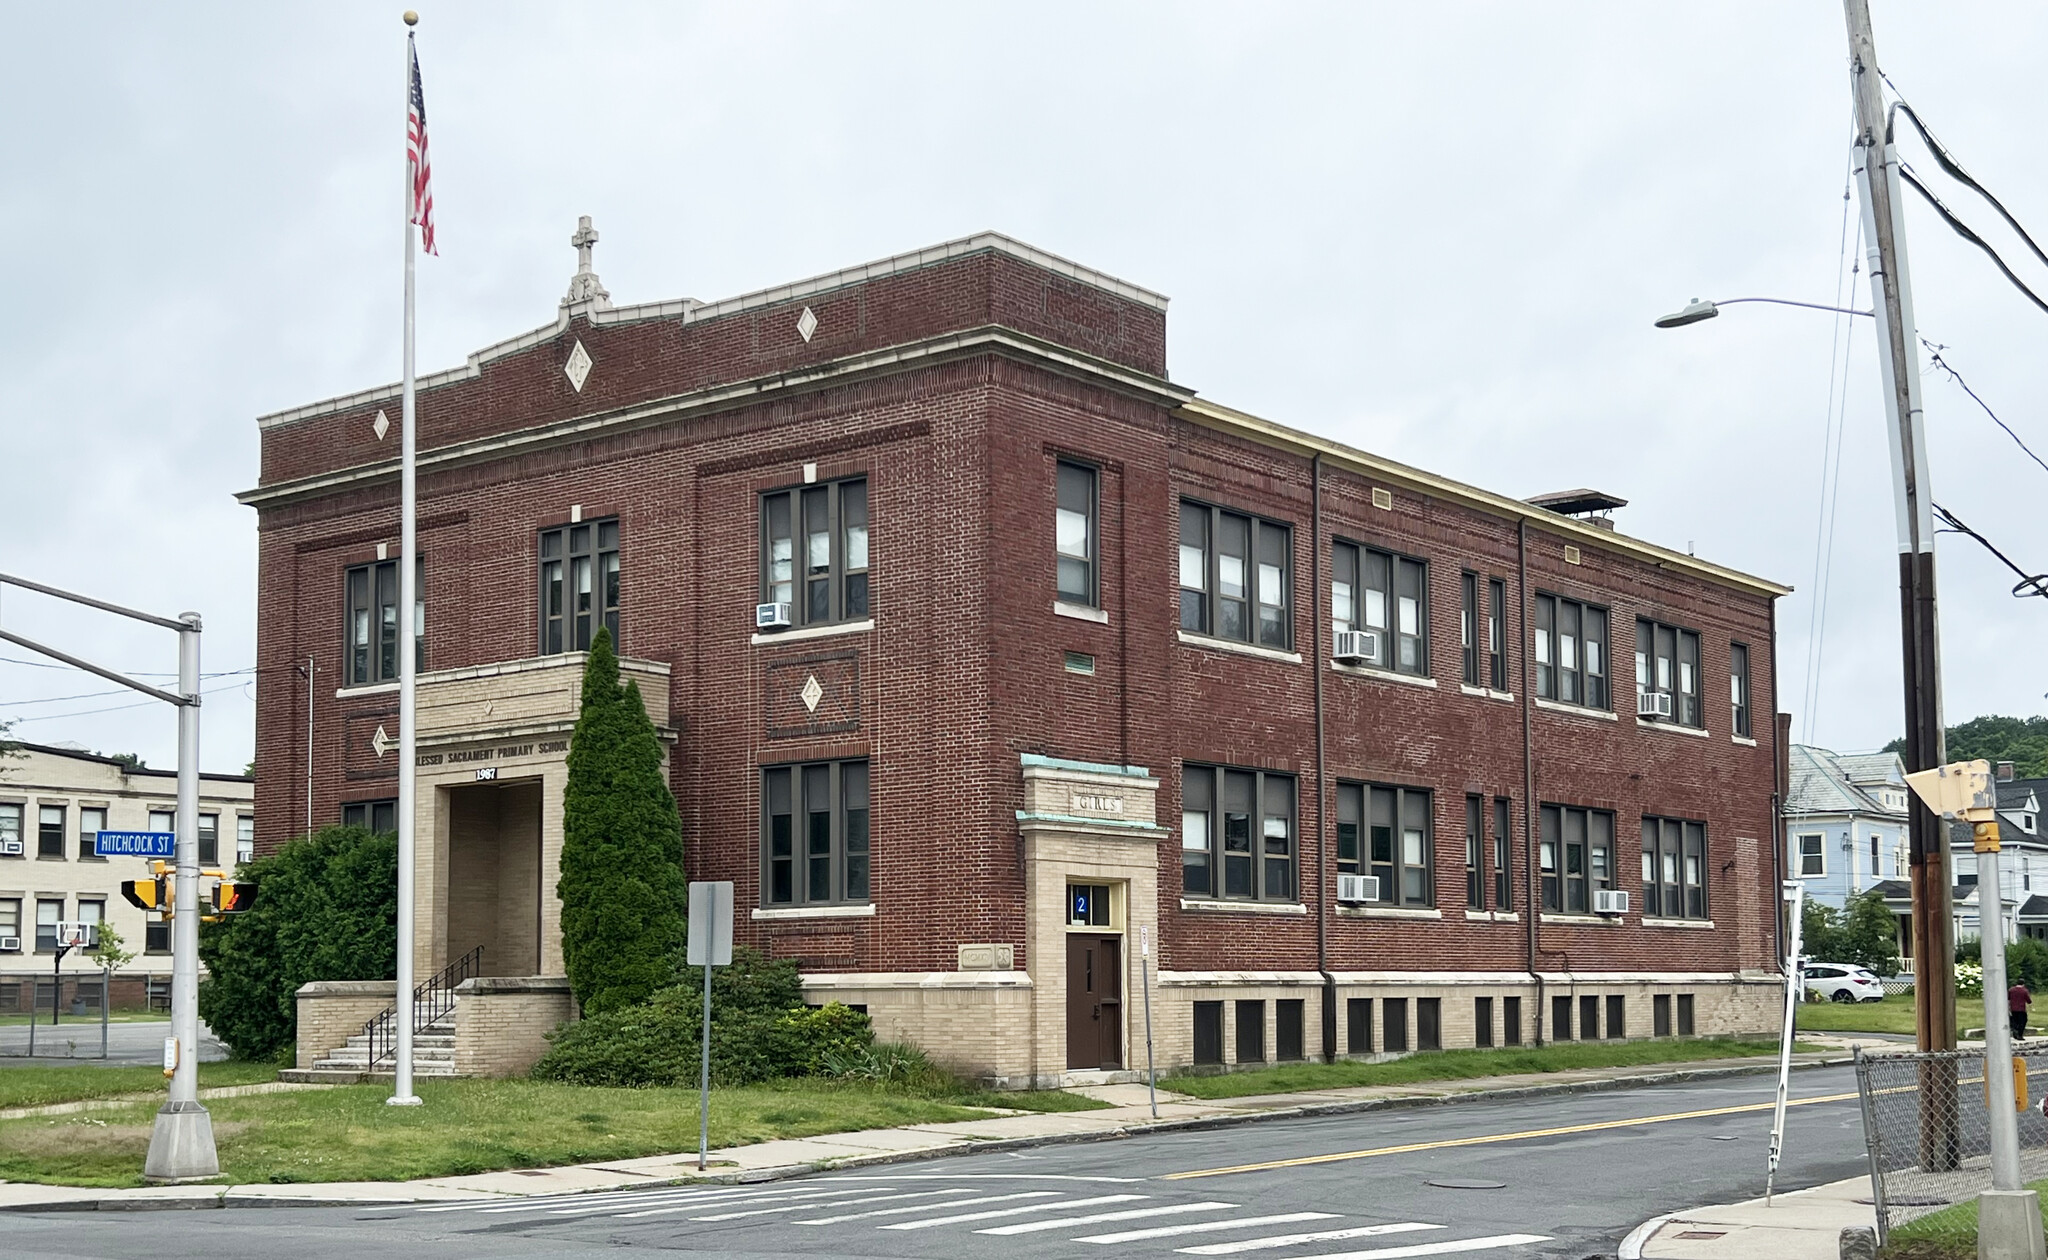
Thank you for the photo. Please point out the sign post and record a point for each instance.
(1145, 983)
(710, 946)
(1794, 893)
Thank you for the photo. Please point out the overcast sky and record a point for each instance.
(1436, 232)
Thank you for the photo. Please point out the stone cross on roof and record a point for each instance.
(584, 286)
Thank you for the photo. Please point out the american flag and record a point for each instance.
(416, 159)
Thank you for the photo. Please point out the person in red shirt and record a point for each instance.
(2017, 1000)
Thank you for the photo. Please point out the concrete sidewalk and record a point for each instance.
(1802, 1225)
(1128, 1114)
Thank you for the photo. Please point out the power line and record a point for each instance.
(1964, 230)
(1955, 170)
(1935, 360)
(116, 708)
(2029, 583)
(138, 673)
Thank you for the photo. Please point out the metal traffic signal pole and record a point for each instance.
(181, 1141)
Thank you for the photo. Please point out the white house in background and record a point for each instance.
(1845, 821)
(2022, 866)
(53, 802)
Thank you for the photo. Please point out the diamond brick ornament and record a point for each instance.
(381, 425)
(577, 369)
(812, 693)
(806, 324)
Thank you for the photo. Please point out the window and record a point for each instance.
(372, 628)
(93, 912)
(1358, 1026)
(1468, 626)
(1497, 635)
(814, 551)
(1429, 1024)
(90, 823)
(156, 935)
(1589, 1017)
(1398, 844)
(814, 834)
(1288, 1017)
(10, 918)
(1571, 652)
(1475, 844)
(48, 915)
(1482, 1021)
(1812, 854)
(1251, 1032)
(10, 830)
(579, 585)
(1394, 1019)
(245, 839)
(1074, 534)
(379, 816)
(1511, 1021)
(50, 831)
(1660, 1015)
(1685, 1014)
(1234, 576)
(1503, 870)
(1577, 856)
(1208, 1032)
(209, 839)
(1617, 1018)
(1561, 1018)
(1738, 689)
(1668, 663)
(1674, 868)
(1087, 905)
(1387, 594)
(1237, 834)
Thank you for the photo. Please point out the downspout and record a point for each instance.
(1315, 603)
(1532, 899)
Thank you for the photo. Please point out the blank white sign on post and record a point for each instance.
(711, 924)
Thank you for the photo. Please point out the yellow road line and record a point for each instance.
(1340, 1156)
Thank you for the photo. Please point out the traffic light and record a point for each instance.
(149, 894)
(230, 897)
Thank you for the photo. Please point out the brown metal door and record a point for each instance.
(1094, 1002)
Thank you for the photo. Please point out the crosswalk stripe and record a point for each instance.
(1131, 1214)
(690, 1201)
(922, 1207)
(1015, 1211)
(1290, 1240)
(1445, 1248)
(552, 1200)
(805, 1206)
(1208, 1227)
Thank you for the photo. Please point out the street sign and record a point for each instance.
(161, 844)
(711, 924)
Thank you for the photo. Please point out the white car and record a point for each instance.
(1843, 982)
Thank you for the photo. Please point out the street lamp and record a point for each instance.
(1698, 309)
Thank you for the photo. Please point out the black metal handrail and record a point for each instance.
(431, 1000)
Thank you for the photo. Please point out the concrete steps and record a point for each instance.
(433, 1055)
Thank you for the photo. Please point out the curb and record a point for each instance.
(1632, 1246)
(755, 1176)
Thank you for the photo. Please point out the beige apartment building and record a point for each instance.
(53, 803)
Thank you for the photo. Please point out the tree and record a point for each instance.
(1820, 931)
(131, 762)
(2022, 741)
(622, 887)
(1864, 933)
(106, 952)
(326, 909)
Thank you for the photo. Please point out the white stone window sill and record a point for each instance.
(1386, 675)
(1743, 740)
(865, 910)
(1202, 905)
(1389, 912)
(367, 689)
(814, 632)
(1080, 612)
(1589, 920)
(1697, 732)
(1243, 649)
(1696, 925)
(1487, 692)
(1575, 710)
(1493, 916)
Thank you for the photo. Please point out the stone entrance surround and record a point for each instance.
(501, 1022)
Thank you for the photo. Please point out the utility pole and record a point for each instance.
(1877, 175)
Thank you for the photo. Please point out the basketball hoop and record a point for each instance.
(74, 935)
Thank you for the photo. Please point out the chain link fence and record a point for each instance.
(1927, 1128)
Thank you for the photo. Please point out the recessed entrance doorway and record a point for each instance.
(494, 876)
(1095, 1002)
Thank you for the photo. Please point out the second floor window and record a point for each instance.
(1234, 576)
(1576, 853)
(245, 839)
(209, 839)
(372, 629)
(1668, 662)
(579, 585)
(90, 823)
(1496, 644)
(1237, 834)
(1387, 594)
(1571, 652)
(1674, 868)
(50, 831)
(1738, 689)
(1074, 534)
(1812, 855)
(48, 915)
(814, 834)
(379, 816)
(10, 830)
(814, 551)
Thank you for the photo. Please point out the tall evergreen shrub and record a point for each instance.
(622, 889)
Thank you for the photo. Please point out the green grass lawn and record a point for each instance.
(466, 1126)
(1893, 1015)
(1950, 1234)
(1451, 1065)
(40, 1086)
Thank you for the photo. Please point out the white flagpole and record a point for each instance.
(401, 1085)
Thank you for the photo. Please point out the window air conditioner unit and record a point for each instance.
(1352, 889)
(1653, 704)
(1356, 647)
(10, 944)
(771, 616)
(10, 847)
(1608, 901)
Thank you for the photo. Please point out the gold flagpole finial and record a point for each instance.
(411, 18)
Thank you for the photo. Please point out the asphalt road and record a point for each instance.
(1561, 1176)
(75, 1041)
